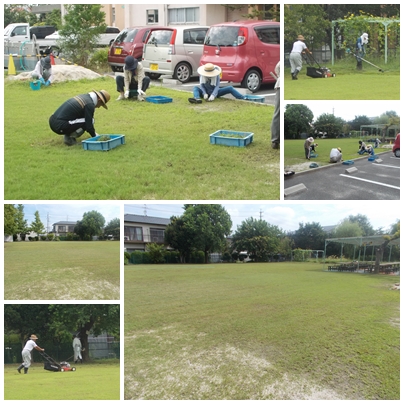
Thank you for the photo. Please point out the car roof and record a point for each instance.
(246, 22)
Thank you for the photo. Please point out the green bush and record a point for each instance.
(127, 255)
(198, 257)
(99, 60)
(43, 238)
(51, 236)
(69, 237)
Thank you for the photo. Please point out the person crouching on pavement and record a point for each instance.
(133, 78)
(26, 353)
(209, 85)
(335, 155)
(76, 115)
(43, 71)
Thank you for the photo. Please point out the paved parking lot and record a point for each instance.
(364, 180)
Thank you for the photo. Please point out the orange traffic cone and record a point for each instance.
(52, 58)
(11, 66)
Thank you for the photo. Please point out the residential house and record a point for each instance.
(142, 230)
(62, 228)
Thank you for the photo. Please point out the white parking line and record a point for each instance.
(372, 182)
(385, 165)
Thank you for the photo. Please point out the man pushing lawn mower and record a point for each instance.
(26, 353)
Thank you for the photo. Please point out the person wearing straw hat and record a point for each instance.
(209, 85)
(76, 115)
(133, 78)
(295, 56)
(307, 148)
(43, 71)
(335, 155)
(26, 353)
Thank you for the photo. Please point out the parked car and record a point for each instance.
(175, 51)
(41, 31)
(246, 51)
(396, 146)
(129, 42)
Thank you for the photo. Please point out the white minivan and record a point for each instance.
(175, 51)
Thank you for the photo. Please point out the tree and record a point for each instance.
(380, 249)
(91, 225)
(208, 225)
(15, 13)
(330, 124)
(359, 121)
(177, 236)
(113, 228)
(156, 253)
(37, 226)
(297, 120)
(54, 18)
(348, 228)
(310, 236)
(258, 238)
(364, 224)
(286, 246)
(10, 225)
(22, 226)
(82, 26)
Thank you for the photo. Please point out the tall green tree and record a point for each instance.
(37, 226)
(54, 18)
(179, 237)
(310, 236)
(156, 252)
(298, 119)
(81, 28)
(16, 13)
(91, 225)
(359, 121)
(364, 223)
(330, 124)
(209, 225)
(22, 224)
(381, 248)
(258, 238)
(113, 228)
(10, 224)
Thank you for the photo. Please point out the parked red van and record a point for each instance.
(396, 146)
(247, 51)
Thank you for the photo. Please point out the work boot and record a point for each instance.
(77, 133)
(25, 371)
(19, 368)
(195, 100)
(69, 141)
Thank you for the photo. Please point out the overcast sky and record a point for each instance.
(287, 215)
(347, 110)
(71, 212)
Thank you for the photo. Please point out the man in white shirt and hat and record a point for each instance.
(361, 49)
(295, 57)
(26, 353)
(43, 71)
(209, 85)
(335, 155)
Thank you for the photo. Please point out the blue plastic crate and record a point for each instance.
(94, 144)
(231, 138)
(35, 85)
(159, 99)
(255, 98)
(348, 162)
(372, 158)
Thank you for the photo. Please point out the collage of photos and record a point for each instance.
(201, 202)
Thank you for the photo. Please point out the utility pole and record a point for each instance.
(145, 210)
(261, 212)
(47, 223)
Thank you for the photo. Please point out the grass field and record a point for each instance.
(295, 159)
(96, 381)
(349, 84)
(65, 270)
(167, 152)
(260, 331)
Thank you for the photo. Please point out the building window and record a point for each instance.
(156, 235)
(183, 15)
(62, 229)
(71, 229)
(133, 233)
(152, 16)
(268, 34)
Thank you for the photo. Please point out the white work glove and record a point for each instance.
(126, 94)
(206, 96)
(211, 98)
(141, 92)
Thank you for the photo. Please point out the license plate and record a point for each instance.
(118, 51)
(154, 66)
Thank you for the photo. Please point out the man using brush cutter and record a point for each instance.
(360, 49)
(26, 353)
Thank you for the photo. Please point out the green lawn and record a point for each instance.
(260, 331)
(97, 381)
(167, 154)
(62, 270)
(295, 158)
(348, 84)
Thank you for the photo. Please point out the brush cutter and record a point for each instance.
(53, 366)
(364, 60)
(319, 71)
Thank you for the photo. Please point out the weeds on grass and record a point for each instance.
(167, 154)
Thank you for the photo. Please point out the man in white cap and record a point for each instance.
(295, 57)
(26, 353)
(133, 78)
(43, 71)
(76, 115)
(209, 85)
(360, 49)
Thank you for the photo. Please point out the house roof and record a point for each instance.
(146, 219)
(64, 223)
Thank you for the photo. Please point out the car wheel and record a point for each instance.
(252, 80)
(397, 152)
(153, 76)
(183, 72)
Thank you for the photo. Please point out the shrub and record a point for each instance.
(69, 237)
(127, 255)
(51, 236)
(15, 237)
(43, 238)
(99, 60)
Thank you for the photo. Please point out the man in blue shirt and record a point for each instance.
(209, 85)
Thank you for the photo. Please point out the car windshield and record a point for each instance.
(160, 37)
(126, 35)
(222, 36)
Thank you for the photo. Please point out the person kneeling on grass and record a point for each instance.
(43, 71)
(335, 155)
(76, 115)
(209, 85)
(26, 353)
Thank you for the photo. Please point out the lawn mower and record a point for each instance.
(53, 366)
(316, 72)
